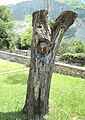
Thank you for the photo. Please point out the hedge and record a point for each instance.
(78, 58)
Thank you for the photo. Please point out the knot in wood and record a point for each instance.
(43, 48)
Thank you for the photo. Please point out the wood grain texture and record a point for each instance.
(45, 42)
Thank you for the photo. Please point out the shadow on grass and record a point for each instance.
(16, 78)
(15, 116)
(12, 116)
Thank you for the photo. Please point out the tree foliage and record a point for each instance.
(24, 39)
(6, 28)
(72, 52)
(71, 46)
(28, 19)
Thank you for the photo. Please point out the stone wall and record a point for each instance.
(58, 67)
(69, 70)
(15, 57)
(21, 52)
(27, 53)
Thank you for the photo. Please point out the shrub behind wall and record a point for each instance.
(77, 59)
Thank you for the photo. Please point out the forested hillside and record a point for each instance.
(27, 7)
(57, 6)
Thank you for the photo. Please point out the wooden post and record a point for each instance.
(45, 42)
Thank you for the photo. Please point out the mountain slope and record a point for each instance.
(81, 1)
(28, 7)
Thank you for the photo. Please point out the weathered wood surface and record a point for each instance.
(45, 42)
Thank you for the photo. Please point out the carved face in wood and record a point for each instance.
(43, 48)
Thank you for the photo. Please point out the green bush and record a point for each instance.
(71, 46)
(78, 58)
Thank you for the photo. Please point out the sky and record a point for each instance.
(7, 2)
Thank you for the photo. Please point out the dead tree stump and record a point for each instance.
(45, 43)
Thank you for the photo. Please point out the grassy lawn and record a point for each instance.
(8, 66)
(67, 96)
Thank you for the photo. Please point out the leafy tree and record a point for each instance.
(71, 46)
(6, 28)
(24, 39)
(5, 14)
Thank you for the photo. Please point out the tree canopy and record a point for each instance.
(6, 28)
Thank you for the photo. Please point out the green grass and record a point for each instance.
(8, 66)
(67, 96)
(12, 95)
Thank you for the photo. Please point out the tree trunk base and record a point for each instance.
(28, 117)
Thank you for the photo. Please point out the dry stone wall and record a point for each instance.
(58, 67)
(69, 70)
(15, 57)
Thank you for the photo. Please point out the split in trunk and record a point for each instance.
(45, 43)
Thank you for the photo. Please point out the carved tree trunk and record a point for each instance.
(45, 42)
